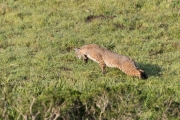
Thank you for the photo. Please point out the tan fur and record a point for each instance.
(108, 58)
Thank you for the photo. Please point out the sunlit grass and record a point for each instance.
(42, 78)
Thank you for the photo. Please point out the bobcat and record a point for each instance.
(108, 58)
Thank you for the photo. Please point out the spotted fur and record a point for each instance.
(108, 58)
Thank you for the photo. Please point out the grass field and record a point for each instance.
(41, 79)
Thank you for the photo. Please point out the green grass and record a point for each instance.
(41, 78)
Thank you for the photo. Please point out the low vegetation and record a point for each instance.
(41, 79)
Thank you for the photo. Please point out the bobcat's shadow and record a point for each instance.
(150, 69)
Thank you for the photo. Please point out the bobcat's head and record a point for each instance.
(142, 74)
(80, 55)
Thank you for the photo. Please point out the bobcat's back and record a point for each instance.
(98, 53)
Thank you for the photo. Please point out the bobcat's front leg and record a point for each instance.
(103, 67)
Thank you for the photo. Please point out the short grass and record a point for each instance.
(40, 77)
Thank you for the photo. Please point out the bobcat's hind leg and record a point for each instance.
(85, 58)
